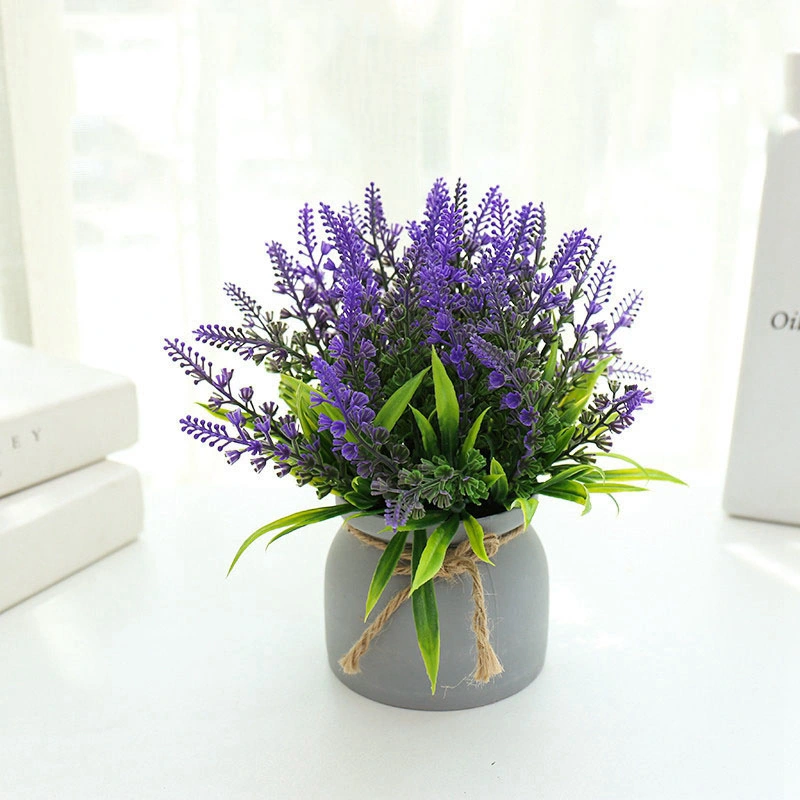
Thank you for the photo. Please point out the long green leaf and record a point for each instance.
(571, 473)
(361, 495)
(629, 460)
(642, 475)
(307, 418)
(432, 559)
(499, 489)
(426, 614)
(620, 457)
(563, 438)
(354, 498)
(429, 440)
(576, 399)
(472, 434)
(394, 407)
(385, 569)
(284, 532)
(550, 367)
(587, 502)
(447, 411)
(562, 493)
(297, 395)
(294, 521)
(370, 512)
(609, 487)
(287, 389)
(219, 414)
(574, 491)
(290, 388)
(528, 505)
(475, 534)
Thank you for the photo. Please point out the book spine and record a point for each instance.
(52, 441)
(51, 531)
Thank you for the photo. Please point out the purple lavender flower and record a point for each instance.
(496, 379)
(511, 400)
(519, 335)
(626, 405)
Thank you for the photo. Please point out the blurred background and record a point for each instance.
(151, 148)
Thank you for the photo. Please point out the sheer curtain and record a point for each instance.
(200, 127)
(37, 280)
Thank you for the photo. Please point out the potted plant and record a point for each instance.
(438, 384)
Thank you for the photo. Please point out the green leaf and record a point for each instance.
(652, 474)
(219, 414)
(642, 475)
(385, 569)
(283, 533)
(563, 439)
(361, 495)
(293, 391)
(357, 500)
(362, 486)
(293, 521)
(574, 491)
(475, 535)
(550, 367)
(394, 407)
(621, 457)
(576, 399)
(472, 435)
(287, 389)
(571, 473)
(446, 405)
(429, 440)
(563, 492)
(528, 506)
(303, 411)
(432, 559)
(297, 395)
(499, 489)
(611, 488)
(426, 614)
(370, 512)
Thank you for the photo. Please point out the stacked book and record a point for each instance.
(63, 505)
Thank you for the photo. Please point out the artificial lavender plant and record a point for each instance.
(432, 377)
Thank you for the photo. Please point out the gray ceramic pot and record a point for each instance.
(392, 671)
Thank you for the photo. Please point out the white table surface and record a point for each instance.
(672, 670)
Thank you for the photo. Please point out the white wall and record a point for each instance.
(201, 127)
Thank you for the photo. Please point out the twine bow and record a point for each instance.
(459, 560)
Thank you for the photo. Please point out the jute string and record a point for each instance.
(459, 560)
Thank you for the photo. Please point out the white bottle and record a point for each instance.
(763, 478)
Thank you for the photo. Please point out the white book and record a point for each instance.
(52, 530)
(57, 416)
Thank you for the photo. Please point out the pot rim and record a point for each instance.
(500, 523)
